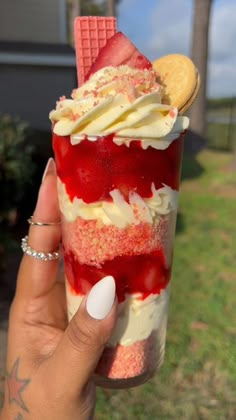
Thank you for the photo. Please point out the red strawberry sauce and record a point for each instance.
(133, 274)
(90, 170)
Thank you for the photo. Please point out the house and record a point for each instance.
(37, 65)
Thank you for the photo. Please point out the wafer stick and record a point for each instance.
(91, 34)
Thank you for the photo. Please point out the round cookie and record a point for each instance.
(178, 75)
(190, 101)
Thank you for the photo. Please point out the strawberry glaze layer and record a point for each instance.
(90, 170)
(134, 256)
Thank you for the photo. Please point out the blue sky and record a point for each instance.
(159, 27)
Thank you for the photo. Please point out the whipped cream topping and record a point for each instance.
(123, 101)
(137, 318)
(119, 212)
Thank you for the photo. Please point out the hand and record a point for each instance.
(49, 363)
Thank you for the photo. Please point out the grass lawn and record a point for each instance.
(198, 378)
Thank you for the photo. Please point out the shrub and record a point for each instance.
(16, 165)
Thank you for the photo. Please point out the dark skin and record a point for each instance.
(50, 364)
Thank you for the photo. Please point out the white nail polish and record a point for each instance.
(50, 167)
(101, 298)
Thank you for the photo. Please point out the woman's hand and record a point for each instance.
(49, 363)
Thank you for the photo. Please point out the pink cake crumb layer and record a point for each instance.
(125, 362)
(92, 242)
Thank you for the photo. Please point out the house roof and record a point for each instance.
(35, 48)
(34, 53)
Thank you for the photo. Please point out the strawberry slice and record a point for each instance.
(90, 179)
(62, 151)
(117, 51)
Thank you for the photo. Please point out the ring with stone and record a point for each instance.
(39, 255)
(34, 223)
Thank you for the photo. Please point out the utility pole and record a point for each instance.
(110, 8)
(201, 22)
(74, 11)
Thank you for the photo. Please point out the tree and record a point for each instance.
(111, 8)
(201, 22)
(74, 10)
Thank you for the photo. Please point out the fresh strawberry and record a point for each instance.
(126, 183)
(90, 179)
(80, 276)
(117, 51)
(153, 275)
(62, 150)
(139, 61)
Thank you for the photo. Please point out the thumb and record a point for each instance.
(80, 349)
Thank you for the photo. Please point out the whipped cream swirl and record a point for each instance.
(121, 101)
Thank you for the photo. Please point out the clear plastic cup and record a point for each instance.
(119, 205)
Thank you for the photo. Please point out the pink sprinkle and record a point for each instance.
(75, 116)
(172, 113)
(111, 241)
(130, 361)
(73, 93)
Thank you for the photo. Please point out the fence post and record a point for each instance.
(230, 144)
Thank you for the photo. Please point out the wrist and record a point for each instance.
(8, 413)
(4, 414)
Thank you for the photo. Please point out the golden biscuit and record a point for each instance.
(188, 104)
(179, 77)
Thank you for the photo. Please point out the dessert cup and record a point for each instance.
(123, 226)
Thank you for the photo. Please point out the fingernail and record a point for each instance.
(50, 168)
(101, 298)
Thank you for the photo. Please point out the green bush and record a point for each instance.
(16, 165)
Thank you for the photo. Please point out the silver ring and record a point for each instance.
(39, 255)
(34, 223)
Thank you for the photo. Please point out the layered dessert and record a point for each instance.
(118, 156)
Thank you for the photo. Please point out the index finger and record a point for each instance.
(36, 277)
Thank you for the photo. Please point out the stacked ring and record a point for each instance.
(34, 223)
(39, 255)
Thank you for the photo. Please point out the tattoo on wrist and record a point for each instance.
(15, 387)
(19, 417)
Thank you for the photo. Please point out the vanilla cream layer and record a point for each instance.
(137, 318)
(119, 212)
